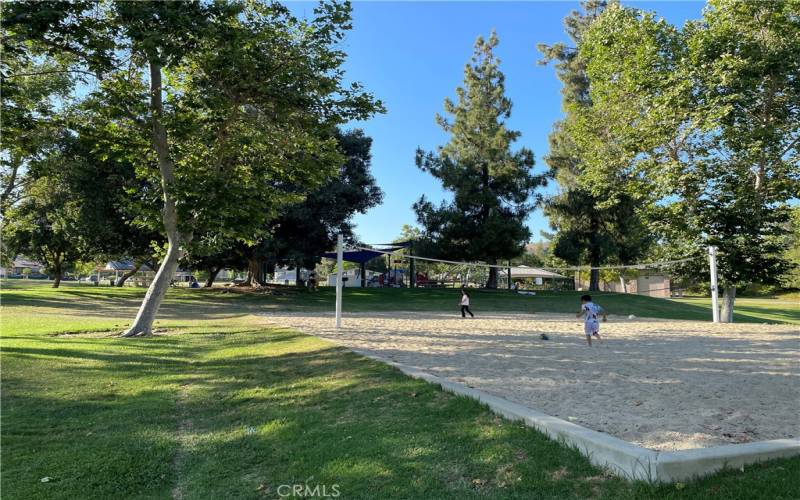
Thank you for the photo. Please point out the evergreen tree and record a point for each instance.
(791, 279)
(491, 184)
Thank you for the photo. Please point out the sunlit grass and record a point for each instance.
(199, 304)
(219, 406)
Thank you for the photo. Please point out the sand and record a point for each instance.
(664, 385)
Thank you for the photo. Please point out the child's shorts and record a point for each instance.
(591, 327)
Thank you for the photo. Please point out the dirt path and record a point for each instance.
(185, 427)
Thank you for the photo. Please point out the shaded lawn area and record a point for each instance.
(216, 303)
(220, 406)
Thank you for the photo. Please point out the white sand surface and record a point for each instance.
(664, 385)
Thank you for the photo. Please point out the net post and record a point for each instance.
(712, 258)
(412, 268)
(339, 281)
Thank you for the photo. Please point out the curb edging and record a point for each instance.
(622, 458)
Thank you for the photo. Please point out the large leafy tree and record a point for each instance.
(233, 100)
(705, 119)
(31, 116)
(492, 185)
(45, 223)
(112, 224)
(303, 231)
(589, 227)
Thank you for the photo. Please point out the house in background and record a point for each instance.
(531, 276)
(114, 269)
(650, 284)
(352, 278)
(20, 264)
(288, 275)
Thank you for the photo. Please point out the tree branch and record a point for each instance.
(51, 72)
(791, 145)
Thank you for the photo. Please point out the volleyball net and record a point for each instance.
(401, 268)
(422, 271)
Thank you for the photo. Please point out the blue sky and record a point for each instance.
(411, 55)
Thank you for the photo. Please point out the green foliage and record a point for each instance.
(700, 123)
(597, 219)
(222, 108)
(250, 95)
(102, 179)
(791, 279)
(43, 226)
(303, 231)
(491, 184)
(31, 90)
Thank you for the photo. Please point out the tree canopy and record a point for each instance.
(214, 103)
(598, 225)
(701, 122)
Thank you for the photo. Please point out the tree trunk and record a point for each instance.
(594, 254)
(143, 324)
(58, 272)
(254, 272)
(728, 298)
(122, 279)
(491, 282)
(623, 283)
(594, 280)
(11, 185)
(212, 275)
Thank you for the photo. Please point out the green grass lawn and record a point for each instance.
(217, 302)
(220, 406)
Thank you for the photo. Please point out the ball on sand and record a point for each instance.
(631, 316)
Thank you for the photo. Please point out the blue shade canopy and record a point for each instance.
(363, 256)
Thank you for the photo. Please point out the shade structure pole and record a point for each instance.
(712, 258)
(339, 281)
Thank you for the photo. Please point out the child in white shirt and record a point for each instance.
(464, 303)
(591, 324)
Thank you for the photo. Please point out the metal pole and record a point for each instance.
(339, 282)
(412, 269)
(363, 271)
(712, 257)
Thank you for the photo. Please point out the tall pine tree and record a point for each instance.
(491, 184)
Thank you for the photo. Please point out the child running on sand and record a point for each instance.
(591, 325)
(464, 303)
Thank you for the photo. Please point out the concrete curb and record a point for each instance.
(620, 457)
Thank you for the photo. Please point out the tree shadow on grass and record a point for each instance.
(250, 423)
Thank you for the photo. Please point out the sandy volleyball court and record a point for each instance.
(665, 385)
